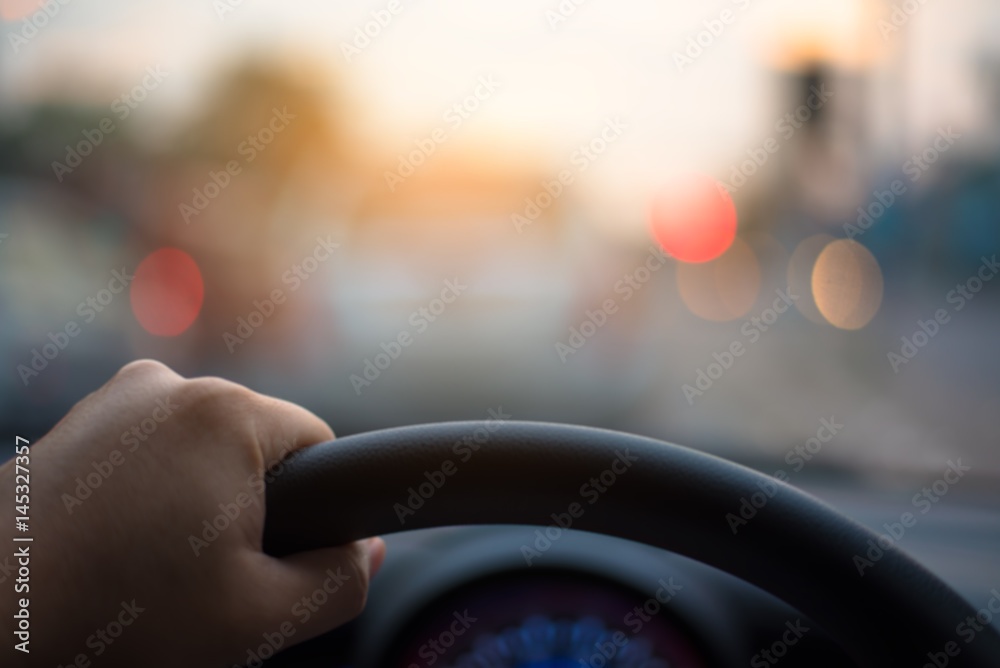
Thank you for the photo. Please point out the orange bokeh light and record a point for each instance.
(800, 273)
(847, 284)
(167, 292)
(693, 218)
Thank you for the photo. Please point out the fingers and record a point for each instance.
(277, 427)
(139, 378)
(314, 592)
(283, 427)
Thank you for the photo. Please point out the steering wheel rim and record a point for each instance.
(794, 546)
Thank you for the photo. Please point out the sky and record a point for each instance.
(561, 75)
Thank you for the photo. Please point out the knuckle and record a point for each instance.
(136, 380)
(223, 408)
(143, 368)
(218, 393)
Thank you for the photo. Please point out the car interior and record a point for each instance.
(653, 334)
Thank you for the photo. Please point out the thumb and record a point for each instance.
(319, 590)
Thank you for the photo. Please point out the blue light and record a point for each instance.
(543, 643)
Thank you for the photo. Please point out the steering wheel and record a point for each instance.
(881, 605)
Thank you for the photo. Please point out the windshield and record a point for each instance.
(763, 228)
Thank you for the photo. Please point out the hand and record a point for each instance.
(147, 509)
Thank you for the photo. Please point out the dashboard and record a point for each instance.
(505, 596)
(550, 618)
(467, 597)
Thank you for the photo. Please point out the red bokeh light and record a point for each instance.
(167, 292)
(12, 10)
(693, 218)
